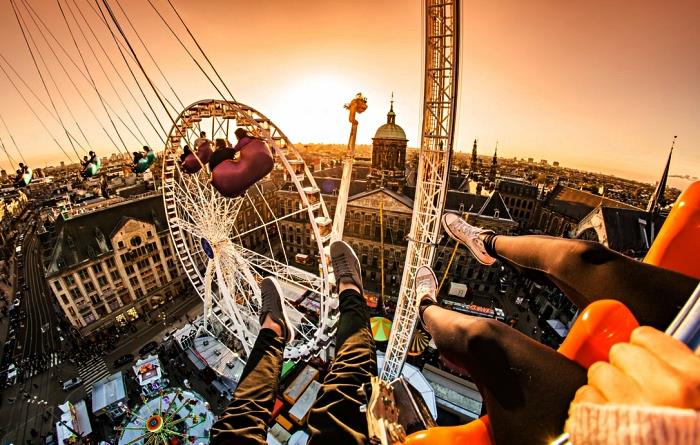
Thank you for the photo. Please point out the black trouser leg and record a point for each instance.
(335, 417)
(245, 419)
(588, 271)
(527, 387)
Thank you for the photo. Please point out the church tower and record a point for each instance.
(389, 154)
(474, 165)
(494, 166)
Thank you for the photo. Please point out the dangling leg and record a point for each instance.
(585, 271)
(245, 420)
(526, 386)
(335, 417)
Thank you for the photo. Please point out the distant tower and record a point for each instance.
(657, 198)
(389, 154)
(473, 165)
(494, 165)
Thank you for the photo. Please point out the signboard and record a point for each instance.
(458, 290)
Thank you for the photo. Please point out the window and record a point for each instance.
(102, 281)
(135, 241)
(89, 287)
(134, 281)
(75, 293)
(115, 275)
(129, 270)
(83, 274)
(120, 244)
(97, 268)
(111, 263)
(149, 234)
(64, 298)
(57, 285)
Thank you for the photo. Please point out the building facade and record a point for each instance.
(114, 265)
(389, 155)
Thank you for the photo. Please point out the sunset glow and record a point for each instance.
(595, 85)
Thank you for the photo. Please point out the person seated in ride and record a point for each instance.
(185, 152)
(231, 178)
(138, 155)
(223, 151)
(20, 174)
(200, 140)
(93, 158)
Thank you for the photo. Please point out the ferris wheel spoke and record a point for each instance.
(282, 271)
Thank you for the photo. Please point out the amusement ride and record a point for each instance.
(213, 218)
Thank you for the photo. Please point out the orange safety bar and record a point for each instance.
(679, 238)
(605, 322)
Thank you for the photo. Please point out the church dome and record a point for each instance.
(390, 130)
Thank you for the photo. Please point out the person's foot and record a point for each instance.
(273, 305)
(346, 266)
(459, 230)
(426, 290)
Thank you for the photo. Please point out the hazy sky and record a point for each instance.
(599, 85)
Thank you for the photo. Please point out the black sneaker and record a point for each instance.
(346, 266)
(272, 296)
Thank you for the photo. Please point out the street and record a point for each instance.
(44, 361)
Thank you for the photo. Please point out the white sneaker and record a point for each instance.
(426, 289)
(463, 232)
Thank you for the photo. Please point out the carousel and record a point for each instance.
(174, 417)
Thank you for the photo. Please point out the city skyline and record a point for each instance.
(600, 92)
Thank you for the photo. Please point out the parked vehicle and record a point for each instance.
(123, 360)
(148, 347)
(71, 383)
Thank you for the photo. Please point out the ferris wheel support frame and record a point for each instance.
(442, 25)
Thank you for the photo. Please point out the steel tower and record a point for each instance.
(439, 112)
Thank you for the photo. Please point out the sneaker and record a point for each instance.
(273, 304)
(426, 290)
(346, 266)
(459, 230)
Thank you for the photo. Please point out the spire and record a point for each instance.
(494, 164)
(391, 116)
(474, 166)
(657, 198)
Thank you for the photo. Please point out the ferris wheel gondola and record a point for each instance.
(227, 245)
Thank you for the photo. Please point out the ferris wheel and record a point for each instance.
(228, 245)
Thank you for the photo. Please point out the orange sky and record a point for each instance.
(599, 85)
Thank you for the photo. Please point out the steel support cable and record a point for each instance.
(172, 31)
(34, 15)
(2, 68)
(201, 50)
(12, 138)
(144, 139)
(92, 80)
(92, 111)
(143, 93)
(138, 36)
(133, 57)
(38, 99)
(19, 23)
(53, 81)
(138, 62)
(7, 153)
